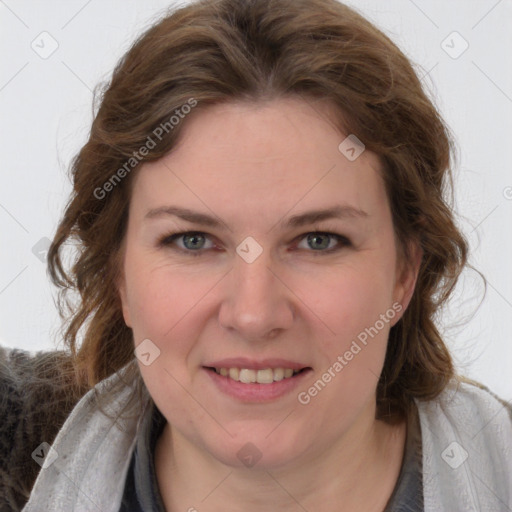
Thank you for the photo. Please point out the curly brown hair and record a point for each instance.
(223, 50)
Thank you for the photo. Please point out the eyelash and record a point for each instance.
(169, 239)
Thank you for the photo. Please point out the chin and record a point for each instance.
(257, 450)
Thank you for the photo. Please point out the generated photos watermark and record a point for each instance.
(151, 142)
(304, 397)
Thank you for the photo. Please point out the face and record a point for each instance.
(254, 250)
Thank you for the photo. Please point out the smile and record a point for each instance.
(250, 380)
(264, 376)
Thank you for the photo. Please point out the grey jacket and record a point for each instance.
(466, 437)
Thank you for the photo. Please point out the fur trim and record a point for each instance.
(37, 393)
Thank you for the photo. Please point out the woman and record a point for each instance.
(260, 214)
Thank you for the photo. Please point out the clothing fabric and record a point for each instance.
(37, 394)
(466, 435)
(141, 492)
(408, 493)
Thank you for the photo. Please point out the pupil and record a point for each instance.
(195, 241)
(314, 238)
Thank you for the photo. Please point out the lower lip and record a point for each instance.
(255, 392)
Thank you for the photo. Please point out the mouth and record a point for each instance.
(249, 381)
(262, 376)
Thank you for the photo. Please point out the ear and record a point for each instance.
(407, 271)
(121, 286)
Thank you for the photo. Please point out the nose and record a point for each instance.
(257, 304)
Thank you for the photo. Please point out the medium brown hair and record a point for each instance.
(253, 50)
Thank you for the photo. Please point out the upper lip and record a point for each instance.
(253, 364)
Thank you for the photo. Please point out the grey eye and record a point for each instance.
(318, 241)
(193, 241)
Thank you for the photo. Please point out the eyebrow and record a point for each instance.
(334, 212)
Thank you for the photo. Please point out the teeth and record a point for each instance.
(265, 376)
(248, 376)
(279, 374)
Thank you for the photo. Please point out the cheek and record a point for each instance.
(352, 357)
(163, 304)
(354, 301)
(169, 306)
(160, 297)
(357, 307)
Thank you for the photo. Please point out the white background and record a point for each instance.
(45, 114)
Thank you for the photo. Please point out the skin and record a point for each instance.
(253, 165)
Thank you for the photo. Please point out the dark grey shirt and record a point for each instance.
(408, 493)
(141, 493)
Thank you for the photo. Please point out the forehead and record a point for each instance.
(254, 155)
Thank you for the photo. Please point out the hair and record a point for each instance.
(218, 51)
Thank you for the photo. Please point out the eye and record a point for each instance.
(196, 243)
(323, 242)
(191, 242)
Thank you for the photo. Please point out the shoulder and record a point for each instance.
(467, 402)
(37, 392)
(467, 448)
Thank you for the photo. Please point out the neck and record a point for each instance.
(359, 472)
